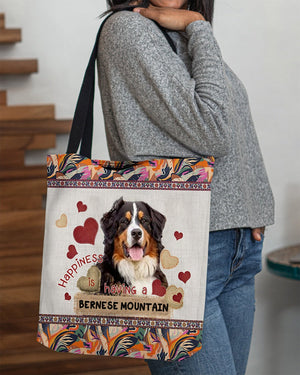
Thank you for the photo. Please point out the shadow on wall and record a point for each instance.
(275, 347)
(292, 214)
(277, 325)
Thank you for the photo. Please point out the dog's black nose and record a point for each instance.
(136, 233)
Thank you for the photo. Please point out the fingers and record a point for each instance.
(149, 12)
(256, 233)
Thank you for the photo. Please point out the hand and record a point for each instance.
(256, 233)
(170, 18)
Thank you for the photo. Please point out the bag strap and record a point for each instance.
(82, 125)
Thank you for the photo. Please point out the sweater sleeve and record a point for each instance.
(190, 109)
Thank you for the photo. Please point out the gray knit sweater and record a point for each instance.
(159, 104)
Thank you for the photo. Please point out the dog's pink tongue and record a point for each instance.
(136, 253)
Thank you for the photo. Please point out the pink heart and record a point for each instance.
(184, 276)
(87, 232)
(81, 207)
(67, 297)
(72, 252)
(158, 289)
(178, 235)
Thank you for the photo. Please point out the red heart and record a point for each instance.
(81, 207)
(72, 252)
(177, 297)
(86, 233)
(67, 297)
(178, 235)
(184, 276)
(158, 289)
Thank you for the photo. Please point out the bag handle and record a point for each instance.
(82, 125)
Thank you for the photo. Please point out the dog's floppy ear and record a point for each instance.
(158, 222)
(108, 222)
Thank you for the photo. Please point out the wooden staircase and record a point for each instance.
(11, 36)
(8, 36)
(18, 66)
(22, 215)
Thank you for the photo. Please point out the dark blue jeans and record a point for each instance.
(234, 258)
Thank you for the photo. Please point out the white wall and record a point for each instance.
(260, 41)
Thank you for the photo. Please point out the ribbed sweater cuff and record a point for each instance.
(202, 43)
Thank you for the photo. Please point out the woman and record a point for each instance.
(160, 104)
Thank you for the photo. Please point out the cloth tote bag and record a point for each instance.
(125, 249)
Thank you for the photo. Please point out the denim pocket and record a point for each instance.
(257, 253)
(262, 236)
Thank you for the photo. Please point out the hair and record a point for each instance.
(205, 7)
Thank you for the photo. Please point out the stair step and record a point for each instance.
(10, 241)
(8, 36)
(21, 326)
(19, 203)
(24, 173)
(33, 362)
(27, 142)
(28, 311)
(2, 21)
(35, 126)
(8, 67)
(20, 250)
(25, 294)
(3, 98)
(13, 342)
(11, 281)
(40, 360)
(22, 188)
(15, 160)
(21, 221)
(21, 196)
(29, 112)
(17, 280)
(21, 265)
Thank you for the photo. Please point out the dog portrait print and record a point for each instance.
(132, 247)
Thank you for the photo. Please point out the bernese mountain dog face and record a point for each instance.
(132, 239)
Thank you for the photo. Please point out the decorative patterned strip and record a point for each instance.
(120, 321)
(129, 185)
(77, 167)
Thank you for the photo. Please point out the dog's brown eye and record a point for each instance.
(124, 221)
(144, 220)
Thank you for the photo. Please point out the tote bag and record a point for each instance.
(125, 248)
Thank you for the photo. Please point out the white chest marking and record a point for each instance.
(139, 274)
